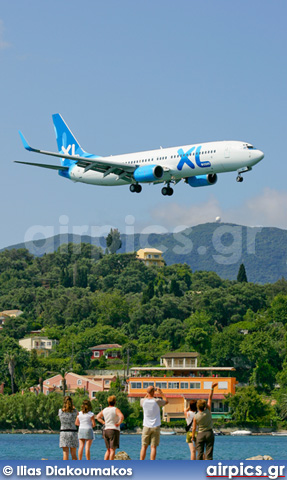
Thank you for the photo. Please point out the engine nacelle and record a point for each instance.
(148, 173)
(202, 180)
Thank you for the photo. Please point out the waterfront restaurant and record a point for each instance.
(182, 380)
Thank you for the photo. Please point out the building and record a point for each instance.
(99, 350)
(179, 360)
(90, 383)
(182, 380)
(6, 314)
(43, 345)
(151, 256)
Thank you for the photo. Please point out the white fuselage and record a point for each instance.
(179, 162)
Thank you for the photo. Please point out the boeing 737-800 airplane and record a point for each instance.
(197, 164)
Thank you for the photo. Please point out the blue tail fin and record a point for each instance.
(66, 141)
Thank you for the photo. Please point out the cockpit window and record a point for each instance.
(250, 147)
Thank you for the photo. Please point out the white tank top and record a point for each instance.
(111, 418)
(85, 419)
(189, 417)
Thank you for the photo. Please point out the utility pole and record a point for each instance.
(72, 357)
(128, 361)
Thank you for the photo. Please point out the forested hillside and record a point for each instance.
(83, 298)
(217, 247)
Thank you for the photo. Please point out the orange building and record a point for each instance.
(183, 383)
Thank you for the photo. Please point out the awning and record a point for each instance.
(187, 396)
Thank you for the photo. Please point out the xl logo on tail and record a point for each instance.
(66, 151)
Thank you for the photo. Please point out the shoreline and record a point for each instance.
(181, 432)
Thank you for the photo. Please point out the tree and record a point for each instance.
(241, 276)
(113, 240)
(10, 359)
(148, 293)
(247, 405)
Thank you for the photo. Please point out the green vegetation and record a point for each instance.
(81, 298)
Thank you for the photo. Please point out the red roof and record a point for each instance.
(105, 346)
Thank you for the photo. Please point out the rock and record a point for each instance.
(122, 456)
(260, 457)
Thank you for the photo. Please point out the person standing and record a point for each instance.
(151, 421)
(111, 417)
(189, 414)
(86, 422)
(203, 420)
(68, 430)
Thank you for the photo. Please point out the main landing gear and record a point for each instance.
(135, 187)
(167, 191)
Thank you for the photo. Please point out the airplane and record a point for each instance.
(196, 164)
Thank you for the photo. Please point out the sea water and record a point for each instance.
(172, 447)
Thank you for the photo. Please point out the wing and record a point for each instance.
(52, 167)
(88, 162)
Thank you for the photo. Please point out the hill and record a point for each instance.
(211, 247)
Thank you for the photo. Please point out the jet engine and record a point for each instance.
(202, 180)
(148, 173)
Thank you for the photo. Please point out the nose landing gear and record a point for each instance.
(239, 178)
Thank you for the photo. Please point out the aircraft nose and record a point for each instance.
(260, 155)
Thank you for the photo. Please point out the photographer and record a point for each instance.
(151, 420)
(203, 420)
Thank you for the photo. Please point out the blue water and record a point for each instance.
(173, 447)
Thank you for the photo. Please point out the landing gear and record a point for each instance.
(167, 191)
(239, 178)
(135, 187)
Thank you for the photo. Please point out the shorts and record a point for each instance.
(85, 434)
(112, 438)
(151, 436)
(189, 437)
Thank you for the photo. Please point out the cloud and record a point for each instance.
(175, 215)
(3, 44)
(267, 209)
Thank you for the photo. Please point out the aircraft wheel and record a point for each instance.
(164, 191)
(170, 192)
(239, 178)
(133, 188)
(138, 188)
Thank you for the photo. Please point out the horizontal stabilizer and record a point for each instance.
(52, 167)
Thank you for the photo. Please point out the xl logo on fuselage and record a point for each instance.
(184, 159)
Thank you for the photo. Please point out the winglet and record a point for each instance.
(25, 143)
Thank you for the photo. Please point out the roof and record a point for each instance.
(11, 313)
(149, 250)
(99, 377)
(105, 346)
(180, 355)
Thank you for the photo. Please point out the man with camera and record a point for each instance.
(151, 420)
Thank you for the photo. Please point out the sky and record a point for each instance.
(130, 76)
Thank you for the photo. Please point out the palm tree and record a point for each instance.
(63, 374)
